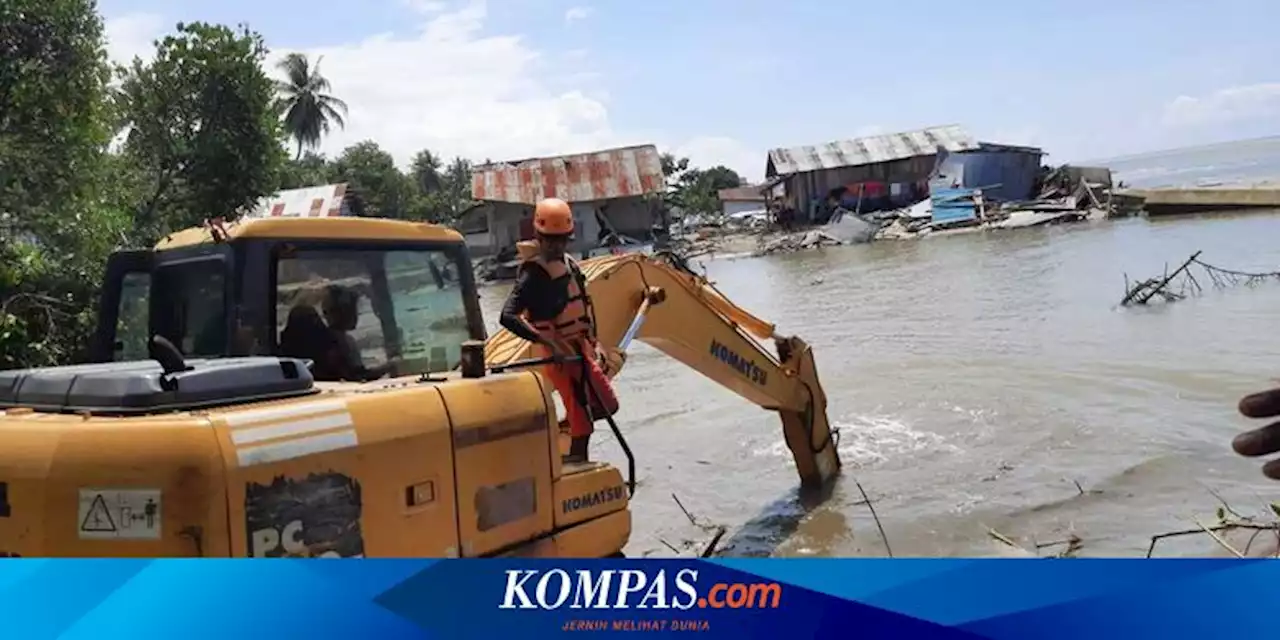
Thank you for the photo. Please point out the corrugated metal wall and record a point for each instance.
(952, 206)
(1014, 171)
(803, 189)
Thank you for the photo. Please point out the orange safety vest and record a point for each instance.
(574, 320)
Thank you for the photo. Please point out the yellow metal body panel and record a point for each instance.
(398, 468)
(600, 538)
(591, 492)
(502, 440)
(47, 462)
(397, 442)
(327, 228)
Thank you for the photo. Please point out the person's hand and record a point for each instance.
(1262, 441)
(611, 360)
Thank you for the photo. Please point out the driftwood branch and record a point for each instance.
(871, 507)
(1071, 545)
(1145, 290)
(710, 547)
(1182, 282)
(1228, 519)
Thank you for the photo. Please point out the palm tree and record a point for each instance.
(426, 171)
(308, 109)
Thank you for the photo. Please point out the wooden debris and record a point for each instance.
(691, 546)
(796, 242)
(1182, 283)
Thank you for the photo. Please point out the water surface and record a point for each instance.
(976, 380)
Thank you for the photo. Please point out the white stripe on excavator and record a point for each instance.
(290, 449)
(329, 422)
(269, 414)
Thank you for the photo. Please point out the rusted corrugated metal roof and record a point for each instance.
(307, 202)
(870, 150)
(602, 175)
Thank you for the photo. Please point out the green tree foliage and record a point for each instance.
(372, 172)
(696, 190)
(203, 130)
(426, 171)
(456, 187)
(206, 132)
(308, 110)
(672, 166)
(308, 171)
(55, 223)
(441, 193)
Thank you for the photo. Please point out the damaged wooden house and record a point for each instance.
(615, 194)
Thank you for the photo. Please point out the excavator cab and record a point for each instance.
(386, 299)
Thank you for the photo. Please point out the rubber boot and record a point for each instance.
(577, 450)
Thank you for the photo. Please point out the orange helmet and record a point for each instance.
(552, 217)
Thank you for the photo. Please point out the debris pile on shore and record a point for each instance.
(1068, 194)
(700, 235)
(1065, 194)
(795, 242)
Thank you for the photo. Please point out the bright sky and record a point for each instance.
(723, 81)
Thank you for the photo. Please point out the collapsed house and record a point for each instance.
(872, 173)
(611, 192)
(910, 184)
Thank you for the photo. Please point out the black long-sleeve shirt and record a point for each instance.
(536, 293)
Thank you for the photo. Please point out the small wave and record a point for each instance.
(871, 440)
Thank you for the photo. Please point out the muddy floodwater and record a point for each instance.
(975, 381)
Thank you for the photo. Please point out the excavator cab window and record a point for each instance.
(393, 309)
(179, 294)
(132, 323)
(190, 305)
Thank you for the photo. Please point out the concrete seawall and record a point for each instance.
(1164, 202)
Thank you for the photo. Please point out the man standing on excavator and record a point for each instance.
(549, 307)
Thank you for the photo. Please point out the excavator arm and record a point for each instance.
(661, 302)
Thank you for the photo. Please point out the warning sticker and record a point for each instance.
(119, 514)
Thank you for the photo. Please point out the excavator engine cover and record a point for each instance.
(143, 387)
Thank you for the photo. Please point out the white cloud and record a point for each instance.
(426, 7)
(458, 91)
(707, 151)
(577, 13)
(1232, 104)
(449, 88)
(133, 35)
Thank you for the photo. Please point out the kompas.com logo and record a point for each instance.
(631, 589)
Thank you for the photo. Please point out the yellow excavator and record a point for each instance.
(205, 425)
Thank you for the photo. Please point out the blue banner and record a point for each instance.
(376, 599)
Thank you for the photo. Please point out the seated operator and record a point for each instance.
(549, 306)
(342, 312)
(305, 336)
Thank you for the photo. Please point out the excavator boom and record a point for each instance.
(661, 302)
